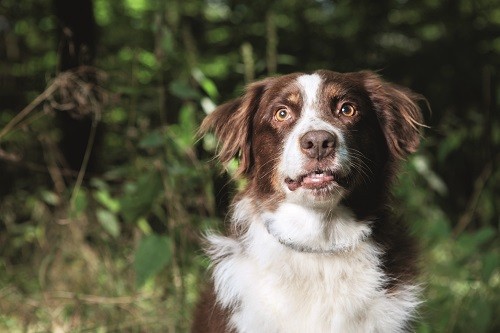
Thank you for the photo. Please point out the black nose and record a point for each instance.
(318, 144)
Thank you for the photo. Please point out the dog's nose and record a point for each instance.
(318, 144)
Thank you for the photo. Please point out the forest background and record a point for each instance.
(105, 189)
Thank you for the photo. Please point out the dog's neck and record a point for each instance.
(306, 229)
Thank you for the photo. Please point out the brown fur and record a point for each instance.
(211, 318)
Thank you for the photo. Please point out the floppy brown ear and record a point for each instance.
(398, 112)
(232, 124)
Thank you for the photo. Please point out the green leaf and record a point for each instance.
(490, 264)
(480, 314)
(468, 244)
(187, 119)
(206, 84)
(152, 140)
(168, 41)
(183, 91)
(183, 134)
(484, 235)
(152, 255)
(105, 199)
(144, 226)
(148, 59)
(210, 88)
(50, 198)
(423, 328)
(109, 222)
(141, 195)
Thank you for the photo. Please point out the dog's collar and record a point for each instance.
(333, 248)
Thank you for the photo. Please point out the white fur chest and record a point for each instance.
(272, 287)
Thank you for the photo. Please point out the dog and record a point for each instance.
(312, 245)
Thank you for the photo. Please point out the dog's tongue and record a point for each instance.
(311, 181)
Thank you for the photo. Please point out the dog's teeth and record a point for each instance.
(317, 174)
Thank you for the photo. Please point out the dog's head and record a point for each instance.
(317, 139)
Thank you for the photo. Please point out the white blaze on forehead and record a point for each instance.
(309, 84)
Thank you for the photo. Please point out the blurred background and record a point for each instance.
(105, 189)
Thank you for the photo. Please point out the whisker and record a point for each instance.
(360, 162)
(264, 175)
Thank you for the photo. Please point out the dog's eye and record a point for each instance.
(347, 110)
(282, 115)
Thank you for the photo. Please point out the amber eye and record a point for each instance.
(347, 110)
(282, 115)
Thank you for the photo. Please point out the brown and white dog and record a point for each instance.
(312, 246)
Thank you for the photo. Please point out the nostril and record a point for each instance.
(328, 143)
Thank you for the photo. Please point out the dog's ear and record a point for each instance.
(232, 124)
(398, 113)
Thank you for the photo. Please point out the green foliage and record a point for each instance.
(140, 196)
(461, 273)
(79, 204)
(109, 222)
(152, 255)
(123, 252)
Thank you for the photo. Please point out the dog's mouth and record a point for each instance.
(315, 180)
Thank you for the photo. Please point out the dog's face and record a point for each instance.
(318, 139)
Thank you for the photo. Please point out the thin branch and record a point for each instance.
(86, 157)
(27, 110)
(11, 157)
(479, 185)
(54, 171)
